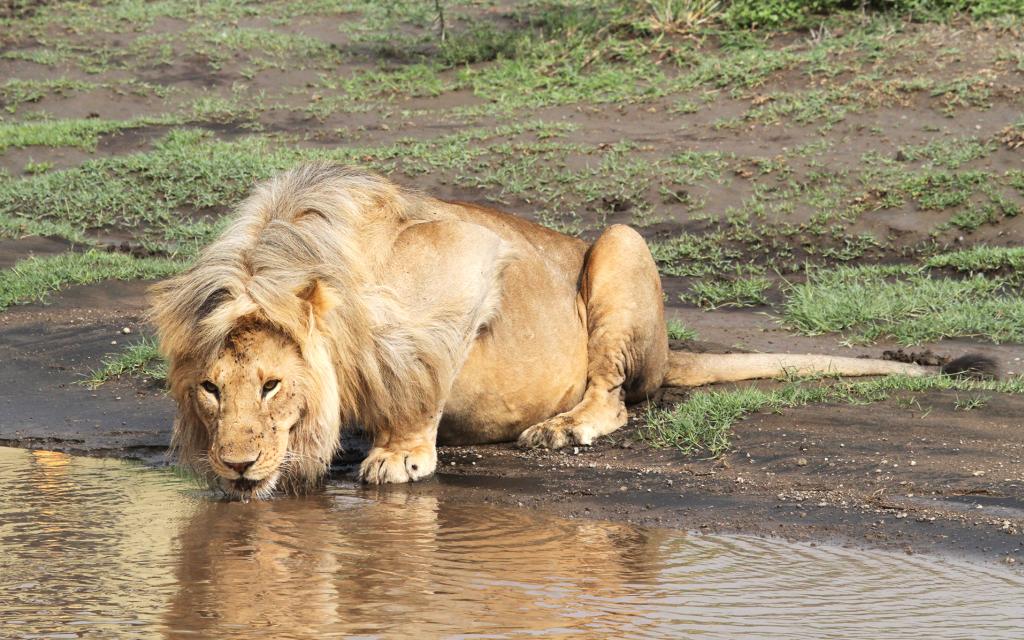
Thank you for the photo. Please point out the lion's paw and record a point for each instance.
(398, 465)
(555, 433)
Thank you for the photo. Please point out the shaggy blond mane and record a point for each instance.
(302, 257)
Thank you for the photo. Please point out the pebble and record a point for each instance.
(126, 330)
(801, 462)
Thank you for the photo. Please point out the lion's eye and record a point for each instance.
(270, 387)
(210, 388)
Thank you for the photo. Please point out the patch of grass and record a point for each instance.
(903, 303)
(681, 16)
(703, 423)
(938, 190)
(32, 279)
(15, 92)
(16, 227)
(140, 359)
(829, 106)
(262, 48)
(981, 258)
(741, 292)
(171, 197)
(147, 192)
(35, 168)
(695, 255)
(81, 134)
(949, 153)
(679, 331)
(973, 217)
(971, 403)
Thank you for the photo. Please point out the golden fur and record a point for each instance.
(415, 319)
(289, 262)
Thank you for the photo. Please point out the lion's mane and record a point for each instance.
(303, 255)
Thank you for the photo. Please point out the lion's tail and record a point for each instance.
(695, 369)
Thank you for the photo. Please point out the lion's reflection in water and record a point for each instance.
(101, 549)
(401, 563)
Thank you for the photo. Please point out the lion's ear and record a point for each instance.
(321, 298)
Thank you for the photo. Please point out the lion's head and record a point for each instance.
(249, 399)
(258, 408)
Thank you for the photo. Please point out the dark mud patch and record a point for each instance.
(13, 250)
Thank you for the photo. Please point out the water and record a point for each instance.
(102, 549)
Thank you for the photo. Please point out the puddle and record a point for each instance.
(93, 548)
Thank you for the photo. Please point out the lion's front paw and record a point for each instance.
(398, 465)
(554, 433)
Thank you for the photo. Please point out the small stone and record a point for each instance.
(913, 463)
(978, 474)
(623, 488)
(801, 462)
(126, 330)
(113, 342)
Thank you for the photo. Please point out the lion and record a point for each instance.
(336, 298)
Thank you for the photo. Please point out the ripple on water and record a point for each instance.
(105, 549)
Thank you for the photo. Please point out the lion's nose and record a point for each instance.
(241, 466)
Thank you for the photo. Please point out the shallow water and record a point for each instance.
(92, 548)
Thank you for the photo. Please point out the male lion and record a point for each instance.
(338, 298)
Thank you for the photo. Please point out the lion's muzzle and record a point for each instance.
(241, 466)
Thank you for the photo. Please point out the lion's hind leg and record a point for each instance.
(627, 347)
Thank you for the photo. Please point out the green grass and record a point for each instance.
(679, 331)
(979, 259)
(948, 153)
(695, 255)
(15, 92)
(905, 304)
(81, 134)
(703, 423)
(172, 197)
(140, 359)
(33, 279)
(147, 192)
(741, 292)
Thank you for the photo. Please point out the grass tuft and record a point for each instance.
(979, 259)
(742, 292)
(679, 331)
(703, 423)
(81, 134)
(903, 303)
(141, 359)
(32, 279)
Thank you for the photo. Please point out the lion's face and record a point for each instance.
(250, 399)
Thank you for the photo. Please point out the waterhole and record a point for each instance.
(92, 548)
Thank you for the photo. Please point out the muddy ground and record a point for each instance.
(782, 174)
(924, 478)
